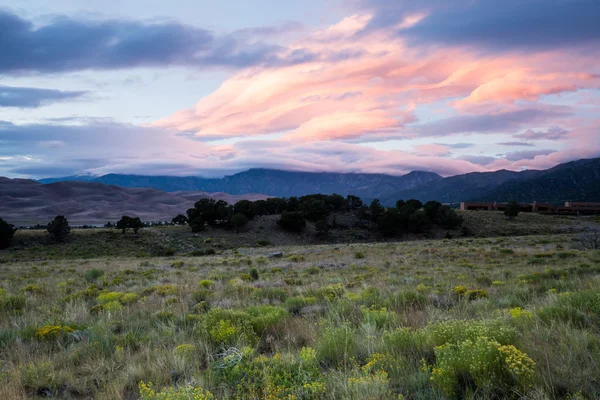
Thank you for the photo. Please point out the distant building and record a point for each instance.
(569, 207)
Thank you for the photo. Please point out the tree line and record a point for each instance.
(407, 216)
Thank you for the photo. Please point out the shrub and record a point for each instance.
(254, 274)
(229, 327)
(456, 331)
(147, 392)
(33, 289)
(129, 298)
(206, 283)
(110, 296)
(93, 274)
(12, 303)
(238, 220)
(331, 292)
(53, 332)
(277, 377)
(264, 317)
(481, 364)
(359, 255)
(7, 232)
(112, 306)
(295, 304)
(292, 221)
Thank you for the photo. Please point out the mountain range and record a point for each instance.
(572, 181)
(271, 182)
(99, 199)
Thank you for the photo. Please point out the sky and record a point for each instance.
(204, 88)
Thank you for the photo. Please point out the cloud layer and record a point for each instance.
(33, 97)
(65, 44)
(394, 87)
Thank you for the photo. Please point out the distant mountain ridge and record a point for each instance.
(271, 182)
(573, 181)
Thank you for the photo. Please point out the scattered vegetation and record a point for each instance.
(434, 319)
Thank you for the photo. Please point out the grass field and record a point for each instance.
(494, 317)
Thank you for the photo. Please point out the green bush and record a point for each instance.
(482, 365)
(276, 377)
(295, 304)
(265, 317)
(147, 392)
(93, 274)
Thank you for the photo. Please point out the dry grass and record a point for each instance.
(322, 297)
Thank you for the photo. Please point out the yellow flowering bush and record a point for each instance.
(278, 377)
(482, 363)
(147, 392)
(109, 296)
(53, 332)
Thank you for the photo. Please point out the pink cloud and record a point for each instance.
(368, 86)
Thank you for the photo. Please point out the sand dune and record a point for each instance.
(28, 202)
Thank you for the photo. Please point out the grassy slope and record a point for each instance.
(161, 241)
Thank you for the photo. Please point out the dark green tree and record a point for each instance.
(414, 203)
(390, 223)
(245, 207)
(292, 221)
(7, 232)
(353, 202)
(376, 210)
(59, 228)
(314, 209)
(448, 218)
(400, 203)
(512, 209)
(126, 222)
(238, 220)
(432, 208)
(180, 220)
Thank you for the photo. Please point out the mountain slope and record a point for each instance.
(573, 181)
(460, 187)
(275, 182)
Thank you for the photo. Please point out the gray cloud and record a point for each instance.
(33, 97)
(527, 154)
(479, 160)
(67, 44)
(492, 24)
(486, 123)
(512, 144)
(554, 133)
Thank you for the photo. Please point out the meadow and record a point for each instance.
(469, 317)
